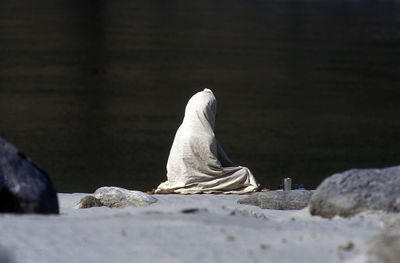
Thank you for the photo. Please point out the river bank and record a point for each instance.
(185, 228)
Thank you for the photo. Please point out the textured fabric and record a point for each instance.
(197, 163)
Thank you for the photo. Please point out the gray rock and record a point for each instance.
(89, 201)
(120, 197)
(354, 191)
(279, 200)
(6, 256)
(24, 187)
(384, 247)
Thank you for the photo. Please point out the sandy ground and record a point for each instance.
(184, 228)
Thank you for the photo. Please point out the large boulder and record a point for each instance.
(279, 200)
(120, 197)
(354, 191)
(24, 187)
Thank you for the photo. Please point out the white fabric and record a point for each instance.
(197, 163)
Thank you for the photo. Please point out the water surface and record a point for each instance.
(94, 90)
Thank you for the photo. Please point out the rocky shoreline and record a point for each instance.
(192, 228)
(350, 217)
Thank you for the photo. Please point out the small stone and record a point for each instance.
(230, 238)
(89, 201)
(264, 246)
(279, 200)
(120, 197)
(191, 210)
(348, 247)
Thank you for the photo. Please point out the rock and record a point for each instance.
(384, 247)
(279, 200)
(24, 187)
(9, 202)
(354, 191)
(6, 256)
(89, 201)
(120, 197)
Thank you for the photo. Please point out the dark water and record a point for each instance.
(94, 90)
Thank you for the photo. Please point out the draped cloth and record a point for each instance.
(197, 163)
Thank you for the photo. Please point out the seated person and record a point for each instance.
(197, 163)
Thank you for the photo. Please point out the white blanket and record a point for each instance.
(197, 163)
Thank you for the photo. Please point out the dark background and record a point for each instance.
(94, 91)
